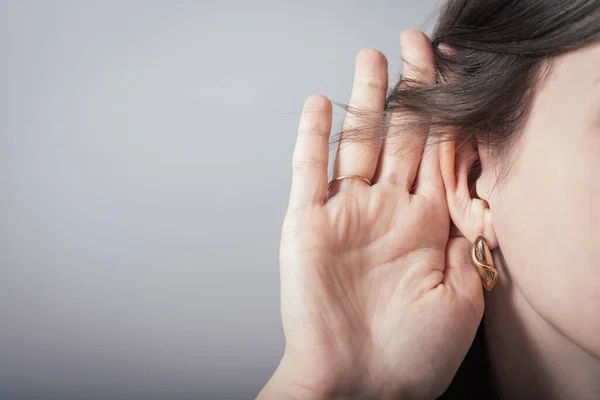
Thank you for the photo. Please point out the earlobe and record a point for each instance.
(471, 215)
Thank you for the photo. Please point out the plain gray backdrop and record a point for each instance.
(144, 172)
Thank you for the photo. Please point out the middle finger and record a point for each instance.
(401, 151)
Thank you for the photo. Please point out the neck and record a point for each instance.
(529, 358)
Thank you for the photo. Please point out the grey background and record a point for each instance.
(144, 172)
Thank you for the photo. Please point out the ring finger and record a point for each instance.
(358, 149)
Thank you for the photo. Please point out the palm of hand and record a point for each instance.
(380, 260)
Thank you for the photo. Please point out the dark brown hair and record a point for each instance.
(499, 50)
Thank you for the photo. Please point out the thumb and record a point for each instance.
(461, 273)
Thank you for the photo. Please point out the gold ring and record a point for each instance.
(339, 178)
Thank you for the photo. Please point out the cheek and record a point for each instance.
(548, 225)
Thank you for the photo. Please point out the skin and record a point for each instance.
(543, 318)
(378, 301)
(373, 287)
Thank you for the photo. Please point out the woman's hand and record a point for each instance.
(377, 300)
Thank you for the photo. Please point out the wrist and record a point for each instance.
(291, 382)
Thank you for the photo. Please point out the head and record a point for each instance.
(518, 94)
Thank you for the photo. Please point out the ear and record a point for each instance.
(467, 190)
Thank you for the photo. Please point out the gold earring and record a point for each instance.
(482, 257)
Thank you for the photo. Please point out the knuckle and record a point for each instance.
(312, 131)
(370, 82)
(308, 162)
